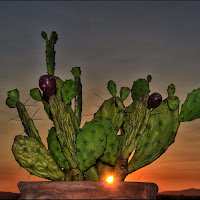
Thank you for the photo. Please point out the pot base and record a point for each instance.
(87, 190)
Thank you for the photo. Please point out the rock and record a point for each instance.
(87, 190)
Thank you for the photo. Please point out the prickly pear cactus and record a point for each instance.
(102, 147)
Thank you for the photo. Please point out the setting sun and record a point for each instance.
(110, 179)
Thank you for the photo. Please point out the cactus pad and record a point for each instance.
(35, 158)
(10, 103)
(59, 82)
(44, 35)
(173, 102)
(160, 133)
(27, 122)
(110, 153)
(140, 87)
(124, 92)
(54, 37)
(36, 94)
(14, 95)
(76, 72)
(171, 90)
(65, 129)
(69, 90)
(112, 88)
(55, 149)
(91, 141)
(112, 109)
(190, 109)
(134, 125)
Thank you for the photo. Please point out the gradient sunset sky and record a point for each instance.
(113, 40)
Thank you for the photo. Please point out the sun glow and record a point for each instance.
(110, 179)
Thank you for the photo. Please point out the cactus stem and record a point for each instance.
(27, 122)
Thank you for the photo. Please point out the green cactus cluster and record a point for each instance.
(103, 145)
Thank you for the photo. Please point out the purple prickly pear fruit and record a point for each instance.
(47, 84)
(154, 100)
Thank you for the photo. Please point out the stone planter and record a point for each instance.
(87, 190)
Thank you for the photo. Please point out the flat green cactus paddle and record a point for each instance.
(124, 92)
(112, 88)
(111, 150)
(69, 90)
(90, 143)
(35, 158)
(160, 133)
(113, 108)
(190, 109)
(140, 87)
(55, 149)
